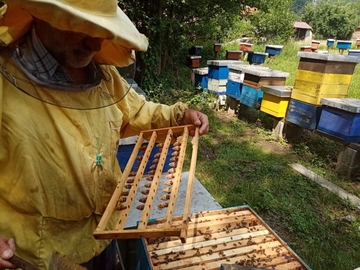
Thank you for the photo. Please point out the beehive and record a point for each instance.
(303, 114)
(273, 49)
(233, 54)
(245, 46)
(340, 119)
(254, 78)
(201, 77)
(256, 57)
(228, 236)
(275, 100)
(315, 44)
(193, 61)
(323, 76)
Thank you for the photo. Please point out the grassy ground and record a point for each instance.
(239, 163)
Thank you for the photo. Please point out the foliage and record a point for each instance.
(331, 19)
(273, 21)
(299, 5)
(172, 28)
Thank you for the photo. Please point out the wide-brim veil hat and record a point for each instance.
(96, 18)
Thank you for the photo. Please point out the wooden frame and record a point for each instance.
(123, 200)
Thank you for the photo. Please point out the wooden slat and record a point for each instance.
(244, 233)
(119, 188)
(177, 179)
(155, 182)
(186, 215)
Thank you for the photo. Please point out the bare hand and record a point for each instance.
(7, 249)
(198, 119)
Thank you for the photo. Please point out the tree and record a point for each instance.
(330, 19)
(173, 27)
(274, 21)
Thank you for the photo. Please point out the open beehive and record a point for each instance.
(235, 236)
(155, 145)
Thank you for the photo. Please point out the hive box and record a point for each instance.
(193, 61)
(273, 49)
(201, 77)
(245, 46)
(219, 69)
(275, 100)
(343, 44)
(257, 76)
(234, 85)
(217, 47)
(330, 42)
(251, 97)
(217, 86)
(233, 54)
(315, 44)
(235, 235)
(305, 49)
(354, 53)
(256, 57)
(303, 114)
(323, 76)
(340, 118)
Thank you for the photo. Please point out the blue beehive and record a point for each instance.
(340, 118)
(251, 97)
(256, 57)
(303, 114)
(343, 44)
(219, 69)
(201, 77)
(273, 49)
(330, 42)
(234, 86)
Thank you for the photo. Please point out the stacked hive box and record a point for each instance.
(235, 81)
(218, 76)
(200, 77)
(255, 77)
(318, 76)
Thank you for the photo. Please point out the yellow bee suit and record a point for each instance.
(52, 192)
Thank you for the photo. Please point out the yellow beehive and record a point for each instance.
(275, 100)
(323, 76)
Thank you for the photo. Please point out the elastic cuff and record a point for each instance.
(179, 111)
